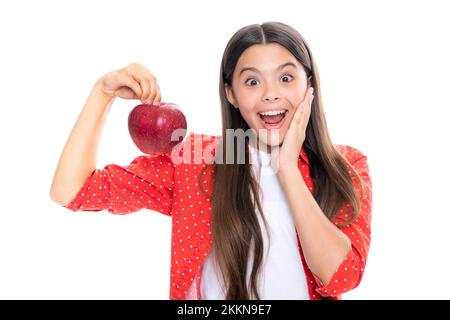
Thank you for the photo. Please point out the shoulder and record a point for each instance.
(200, 141)
(362, 181)
(204, 139)
(357, 160)
(196, 148)
(351, 154)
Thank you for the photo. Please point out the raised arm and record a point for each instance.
(78, 158)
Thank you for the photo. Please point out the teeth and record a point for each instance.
(272, 113)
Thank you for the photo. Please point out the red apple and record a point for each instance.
(157, 129)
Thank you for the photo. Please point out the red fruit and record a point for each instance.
(157, 129)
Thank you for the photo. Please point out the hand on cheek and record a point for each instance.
(287, 155)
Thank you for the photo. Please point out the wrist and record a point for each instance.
(286, 170)
(100, 96)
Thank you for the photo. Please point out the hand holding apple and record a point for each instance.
(154, 128)
(134, 81)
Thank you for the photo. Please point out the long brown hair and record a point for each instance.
(235, 227)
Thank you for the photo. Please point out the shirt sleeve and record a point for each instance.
(349, 273)
(146, 183)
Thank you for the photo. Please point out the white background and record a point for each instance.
(384, 71)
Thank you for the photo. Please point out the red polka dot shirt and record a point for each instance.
(170, 186)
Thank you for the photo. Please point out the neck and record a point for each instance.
(260, 145)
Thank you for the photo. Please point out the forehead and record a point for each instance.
(265, 57)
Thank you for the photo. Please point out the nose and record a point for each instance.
(276, 98)
(271, 94)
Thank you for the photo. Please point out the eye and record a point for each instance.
(251, 85)
(246, 82)
(287, 75)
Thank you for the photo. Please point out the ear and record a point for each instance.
(230, 95)
(309, 81)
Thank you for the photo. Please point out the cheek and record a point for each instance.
(296, 100)
(248, 115)
(297, 95)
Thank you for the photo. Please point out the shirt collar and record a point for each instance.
(303, 156)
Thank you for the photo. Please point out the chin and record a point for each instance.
(271, 140)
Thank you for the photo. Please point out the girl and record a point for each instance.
(290, 221)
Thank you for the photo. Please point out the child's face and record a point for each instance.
(269, 89)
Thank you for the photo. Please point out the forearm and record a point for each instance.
(78, 158)
(324, 245)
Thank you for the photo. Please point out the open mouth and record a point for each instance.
(273, 119)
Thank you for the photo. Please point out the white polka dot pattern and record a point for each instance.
(147, 182)
(157, 183)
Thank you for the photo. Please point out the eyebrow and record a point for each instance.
(279, 68)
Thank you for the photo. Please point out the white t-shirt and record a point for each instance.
(282, 274)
